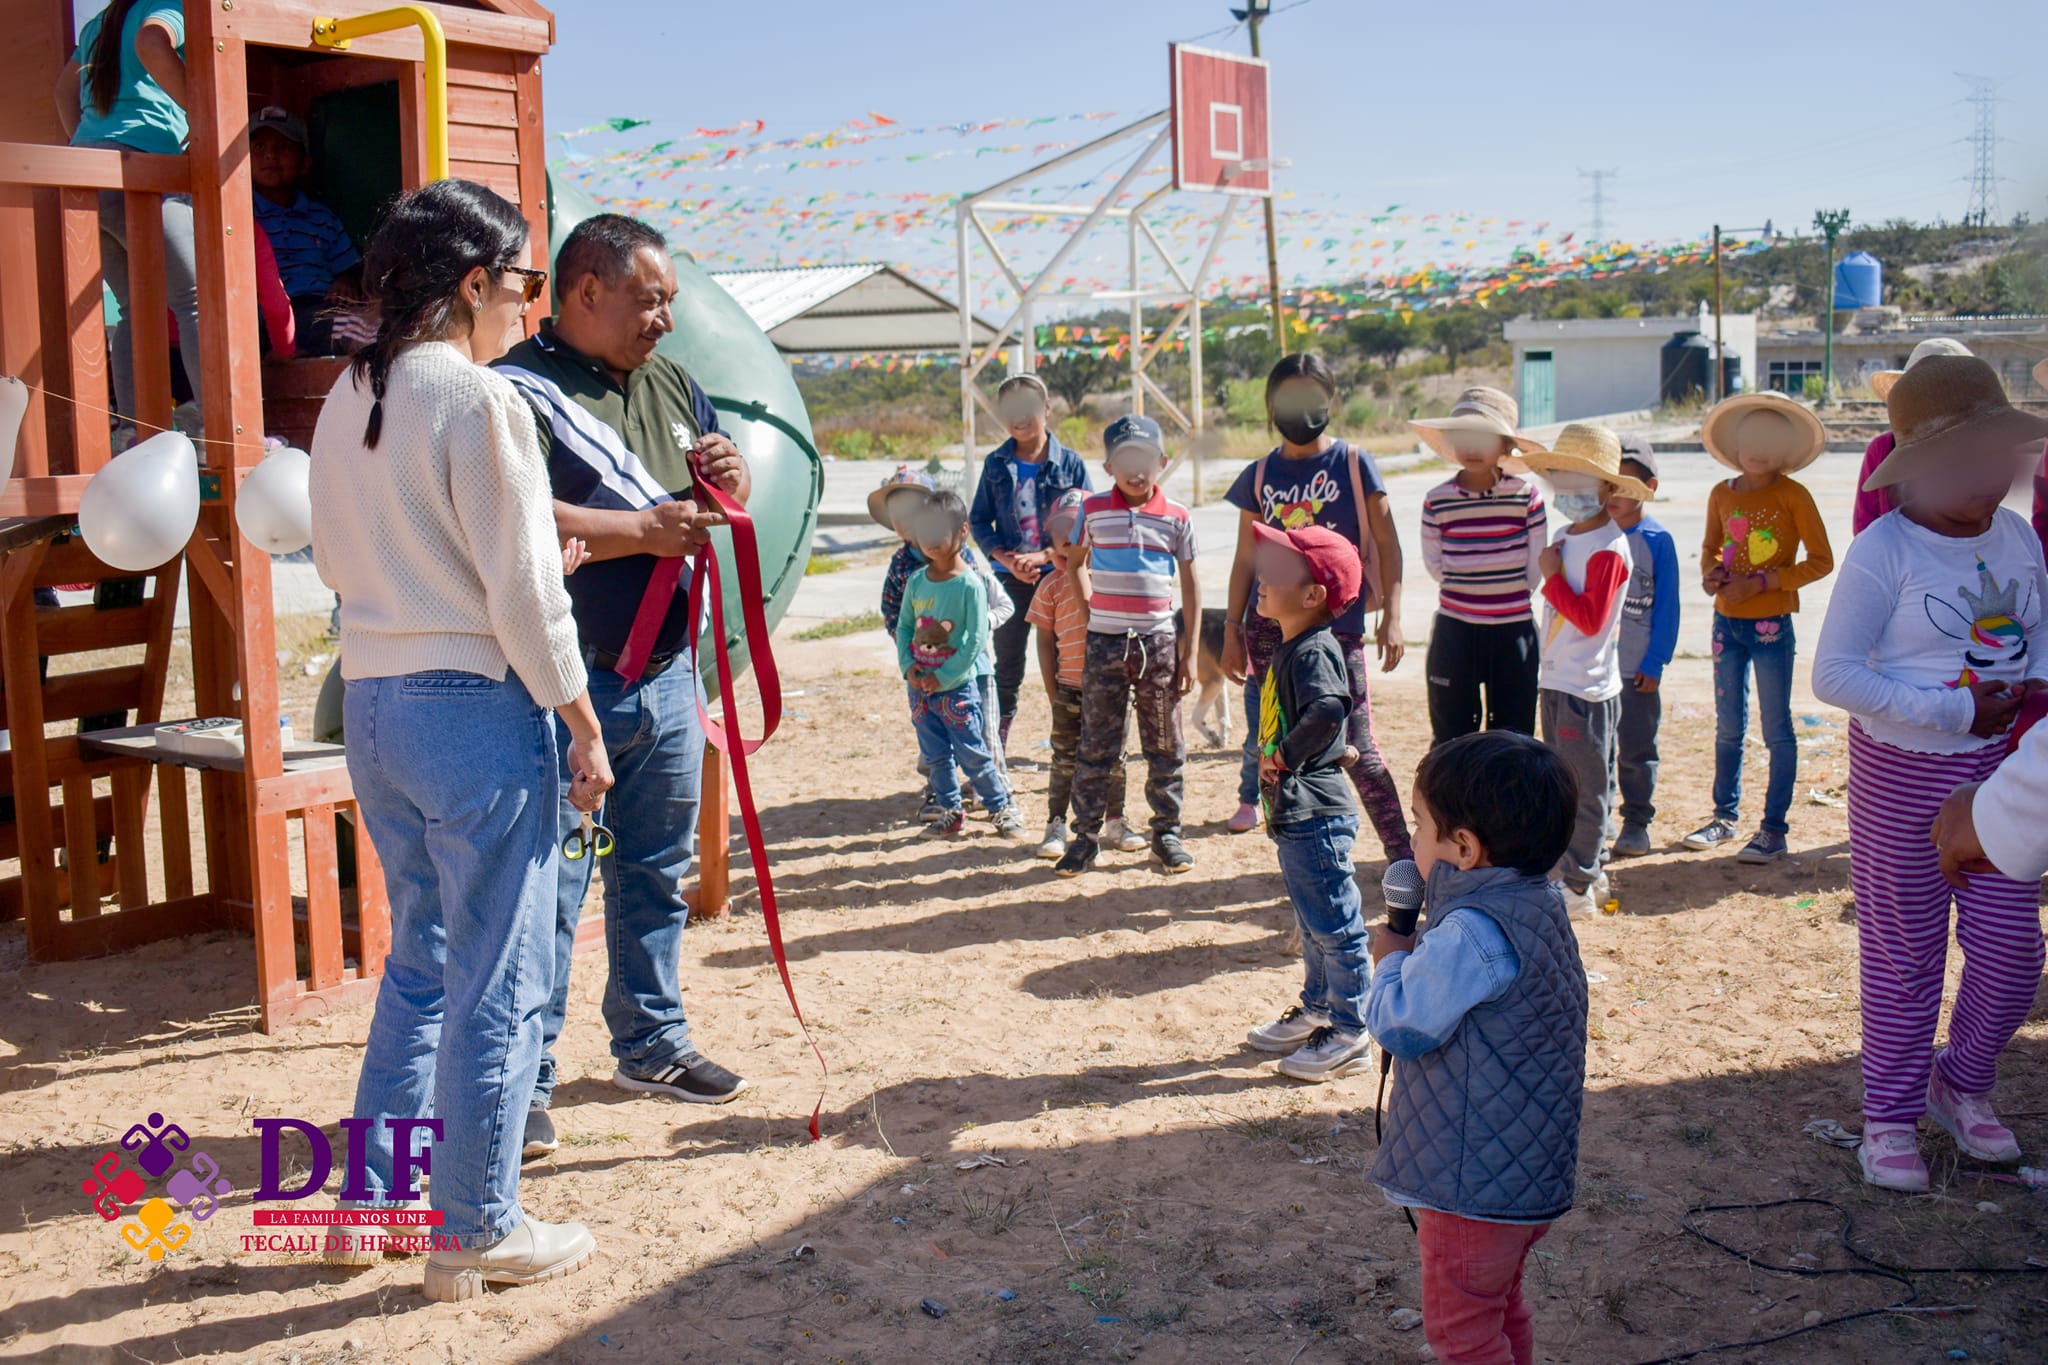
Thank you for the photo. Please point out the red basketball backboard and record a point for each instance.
(1222, 139)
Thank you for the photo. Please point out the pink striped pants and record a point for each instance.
(1902, 932)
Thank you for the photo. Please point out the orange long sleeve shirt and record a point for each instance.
(1763, 531)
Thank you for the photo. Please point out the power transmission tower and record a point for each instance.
(1598, 199)
(1983, 209)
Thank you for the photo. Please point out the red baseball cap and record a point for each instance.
(1332, 560)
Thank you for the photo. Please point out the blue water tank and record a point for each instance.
(1859, 281)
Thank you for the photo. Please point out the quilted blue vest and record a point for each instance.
(1487, 1126)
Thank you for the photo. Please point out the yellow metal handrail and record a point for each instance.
(336, 33)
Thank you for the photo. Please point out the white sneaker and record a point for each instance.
(1055, 845)
(532, 1252)
(1329, 1054)
(1589, 902)
(1293, 1028)
(1118, 834)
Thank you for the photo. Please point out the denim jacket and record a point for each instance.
(994, 514)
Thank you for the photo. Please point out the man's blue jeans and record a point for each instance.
(656, 747)
(1766, 645)
(1315, 864)
(456, 779)
(953, 730)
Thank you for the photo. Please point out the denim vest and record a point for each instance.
(1487, 1126)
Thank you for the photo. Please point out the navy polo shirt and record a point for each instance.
(659, 413)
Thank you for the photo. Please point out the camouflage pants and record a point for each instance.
(1119, 674)
(1066, 740)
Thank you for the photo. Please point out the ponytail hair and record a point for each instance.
(413, 272)
(103, 63)
(1301, 365)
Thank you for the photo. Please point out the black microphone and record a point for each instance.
(1401, 889)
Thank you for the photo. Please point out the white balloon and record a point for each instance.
(139, 510)
(13, 403)
(274, 507)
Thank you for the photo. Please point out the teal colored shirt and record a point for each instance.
(143, 117)
(944, 626)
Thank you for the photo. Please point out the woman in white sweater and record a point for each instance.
(433, 521)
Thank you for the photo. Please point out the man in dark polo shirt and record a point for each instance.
(619, 425)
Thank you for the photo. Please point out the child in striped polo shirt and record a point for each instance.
(1133, 538)
(1482, 534)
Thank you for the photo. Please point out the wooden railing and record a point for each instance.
(52, 330)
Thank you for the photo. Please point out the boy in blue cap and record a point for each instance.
(1134, 541)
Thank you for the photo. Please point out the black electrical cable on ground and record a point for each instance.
(1872, 1267)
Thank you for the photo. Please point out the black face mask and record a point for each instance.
(1302, 428)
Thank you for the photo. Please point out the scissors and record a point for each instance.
(593, 838)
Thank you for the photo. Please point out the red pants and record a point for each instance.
(1472, 1308)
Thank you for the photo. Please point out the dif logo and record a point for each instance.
(193, 1190)
(164, 1194)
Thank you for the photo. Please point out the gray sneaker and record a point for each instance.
(1294, 1027)
(1712, 834)
(1010, 825)
(1766, 847)
(1329, 1054)
(1632, 842)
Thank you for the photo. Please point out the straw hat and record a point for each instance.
(1948, 406)
(1723, 423)
(1881, 382)
(1582, 448)
(904, 477)
(1484, 410)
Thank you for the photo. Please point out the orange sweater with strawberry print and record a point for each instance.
(1762, 532)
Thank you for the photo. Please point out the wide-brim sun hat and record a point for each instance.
(903, 478)
(1950, 406)
(1718, 428)
(1479, 409)
(1881, 382)
(1584, 448)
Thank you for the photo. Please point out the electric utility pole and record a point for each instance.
(1598, 199)
(1983, 177)
(1252, 15)
(1830, 222)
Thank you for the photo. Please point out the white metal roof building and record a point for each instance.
(842, 308)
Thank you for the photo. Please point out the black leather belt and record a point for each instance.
(596, 659)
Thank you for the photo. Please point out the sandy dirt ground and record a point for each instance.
(1152, 1190)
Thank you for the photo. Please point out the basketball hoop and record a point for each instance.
(1221, 128)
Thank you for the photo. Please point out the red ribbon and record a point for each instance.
(726, 737)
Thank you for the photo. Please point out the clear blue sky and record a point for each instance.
(1733, 112)
(1736, 112)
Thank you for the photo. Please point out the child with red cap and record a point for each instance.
(1307, 577)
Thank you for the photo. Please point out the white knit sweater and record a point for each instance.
(441, 541)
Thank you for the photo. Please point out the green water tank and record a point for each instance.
(758, 406)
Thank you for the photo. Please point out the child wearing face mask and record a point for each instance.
(1585, 571)
(1757, 523)
(1932, 643)
(1314, 479)
(1482, 531)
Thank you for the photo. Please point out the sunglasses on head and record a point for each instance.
(531, 281)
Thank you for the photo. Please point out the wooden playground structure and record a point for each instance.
(458, 91)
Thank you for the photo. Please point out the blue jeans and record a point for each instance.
(1315, 863)
(656, 747)
(1765, 644)
(455, 777)
(1248, 763)
(953, 729)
